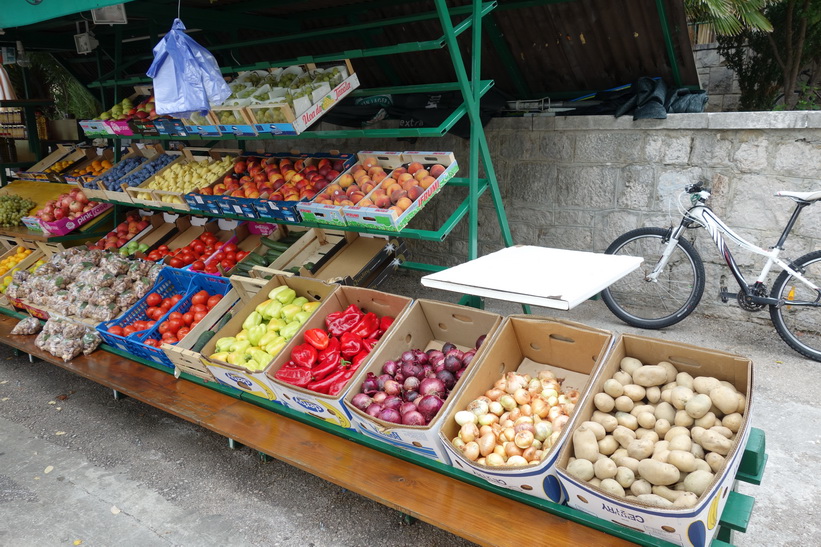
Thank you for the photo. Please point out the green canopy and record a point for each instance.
(27, 12)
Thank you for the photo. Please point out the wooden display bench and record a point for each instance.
(430, 491)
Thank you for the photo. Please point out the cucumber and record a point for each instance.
(309, 266)
(254, 258)
(276, 245)
(271, 256)
(202, 340)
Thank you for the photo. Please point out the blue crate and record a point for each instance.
(212, 284)
(170, 281)
(278, 210)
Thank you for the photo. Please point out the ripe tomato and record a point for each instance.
(188, 317)
(151, 342)
(200, 297)
(176, 262)
(174, 325)
(182, 332)
(129, 330)
(199, 316)
(166, 304)
(138, 325)
(163, 328)
(198, 308)
(208, 238)
(241, 255)
(231, 255)
(176, 298)
(219, 255)
(149, 324)
(213, 300)
(153, 299)
(175, 315)
(211, 268)
(154, 313)
(227, 264)
(154, 256)
(163, 248)
(169, 338)
(230, 248)
(198, 248)
(116, 329)
(188, 257)
(198, 265)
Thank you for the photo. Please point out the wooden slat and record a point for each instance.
(463, 509)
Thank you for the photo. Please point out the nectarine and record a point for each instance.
(437, 170)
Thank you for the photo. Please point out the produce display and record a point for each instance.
(178, 324)
(94, 169)
(142, 174)
(126, 110)
(67, 340)
(266, 330)
(405, 185)
(8, 263)
(121, 236)
(13, 208)
(185, 177)
(657, 436)
(205, 253)
(110, 179)
(516, 422)
(412, 388)
(58, 166)
(85, 283)
(351, 187)
(327, 359)
(69, 205)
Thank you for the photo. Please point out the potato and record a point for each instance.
(707, 421)
(624, 403)
(684, 379)
(715, 461)
(642, 433)
(725, 399)
(640, 486)
(684, 461)
(639, 408)
(612, 488)
(665, 395)
(702, 465)
(613, 388)
(723, 431)
(681, 442)
(683, 419)
(585, 445)
(604, 402)
(581, 469)
(625, 476)
(665, 411)
(705, 384)
(640, 448)
(677, 430)
(650, 375)
(653, 394)
(685, 501)
(626, 461)
(666, 493)
(742, 403)
(696, 432)
(622, 377)
(624, 435)
(697, 451)
(658, 473)
(630, 364)
(698, 481)
(661, 446)
(605, 468)
(662, 427)
(712, 441)
(608, 445)
(635, 392)
(597, 429)
(661, 456)
(698, 405)
(679, 396)
(608, 421)
(654, 500)
(732, 422)
(627, 420)
(594, 482)
(672, 372)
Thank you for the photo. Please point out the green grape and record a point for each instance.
(13, 208)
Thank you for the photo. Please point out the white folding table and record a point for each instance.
(539, 276)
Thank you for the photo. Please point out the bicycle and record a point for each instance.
(666, 294)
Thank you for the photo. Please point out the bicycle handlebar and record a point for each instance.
(695, 188)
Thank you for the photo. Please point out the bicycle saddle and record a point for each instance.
(800, 196)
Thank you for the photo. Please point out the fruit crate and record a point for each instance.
(170, 281)
(136, 345)
(90, 159)
(234, 120)
(97, 187)
(205, 126)
(37, 171)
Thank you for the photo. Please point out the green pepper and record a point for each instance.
(255, 334)
(252, 364)
(275, 324)
(240, 345)
(272, 309)
(261, 309)
(276, 346)
(311, 306)
(289, 330)
(299, 301)
(283, 294)
(253, 319)
(302, 316)
(267, 338)
(289, 311)
(262, 357)
(223, 344)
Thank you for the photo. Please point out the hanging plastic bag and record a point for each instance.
(187, 78)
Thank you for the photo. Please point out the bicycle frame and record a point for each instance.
(702, 215)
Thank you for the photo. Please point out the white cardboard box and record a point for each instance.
(528, 343)
(427, 324)
(695, 526)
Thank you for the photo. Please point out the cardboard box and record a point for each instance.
(387, 219)
(427, 325)
(256, 382)
(312, 211)
(234, 120)
(529, 344)
(205, 126)
(97, 188)
(37, 171)
(67, 225)
(95, 128)
(86, 160)
(327, 407)
(698, 525)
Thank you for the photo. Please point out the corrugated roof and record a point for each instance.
(531, 49)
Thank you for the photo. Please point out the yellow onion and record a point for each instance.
(526, 409)
(508, 434)
(554, 412)
(481, 461)
(547, 393)
(538, 407)
(546, 375)
(487, 419)
(500, 384)
(542, 430)
(471, 451)
(484, 430)
(494, 460)
(500, 449)
(525, 427)
(529, 453)
(468, 432)
(515, 414)
(465, 416)
(512, 450)
(524, 439)
(478, 406)
(534, 386)
(508, 402)
(573, 395)
(522, 396)
(559, 422)
(514, 461)
(494, 394)
(458, 443)
(506, 423)
(496, 408)
(486, 444)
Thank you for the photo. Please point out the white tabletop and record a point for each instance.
(540, 276)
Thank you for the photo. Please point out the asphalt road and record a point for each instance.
(76, 465)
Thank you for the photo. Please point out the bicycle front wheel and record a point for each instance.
(667, 300)
(799, 325)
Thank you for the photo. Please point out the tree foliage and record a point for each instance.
(729, 17)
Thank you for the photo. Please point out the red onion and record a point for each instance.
(468, 357)
(452, 363)
(480, 340)
(411, 369)
(447, 347)
(433, 353)
(408, 357)
(369, 386)
(411, 383)
(459, 373)
(404, 408)
(432, 386)
(456, 353)
(420, 356)
(381, 379)
(361, 401)
(399, 377)
(390, 367)
(392, 387)
(429, 406)
(373, 410)
(410, 396)
(390, 415)
(413, 418)
(392, 401)
(379, 397)
(447, 378)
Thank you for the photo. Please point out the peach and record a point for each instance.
(415, 192)
(359, 175)
(345, 181)
(324, 162)
(356, 197)
(367, 187)
(396, 195)
(331, 188)
(252, 195)
(392, 188)
(408, 184)
(379, 176)
(422, 173)
(369, 162)
(437, 170)
(404, 203)
(332, 174)
(395, 210)
(414, 167)
(398, 171)
(356, 168)
(365, 202)
(382, 201)
(351, 189)
(375, 169)
(289, 174)
(403, 177)
(426, 182)
(346, 202)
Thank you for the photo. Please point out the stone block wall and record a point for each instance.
(579, 182)
(717, 79)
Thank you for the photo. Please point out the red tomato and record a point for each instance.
(176, 298)
(116, 329)
(241, 255)
(188, 257)
(129, 330)
(163, 248)
(182, 332)
(138, 325)
(166, 305)
(174, 325)
(198, 307)
(227, 264)
(151, 342)
(219, 255)
(199, 316)
(209, 250)
(176, 262)
(198, 265)
(198, 248)
(230, 255)
(175, 315)
(188, 317)
(153, 299)
(213, 301)
(230, 248)
(149, 324)
(169, 338)
(200, 298)
(154, 313)
(211, 268)
(154, 256)
(163, 328)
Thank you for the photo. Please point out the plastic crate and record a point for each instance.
(170, 281)
(199, 281)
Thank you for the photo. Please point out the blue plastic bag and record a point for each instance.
(187, 78)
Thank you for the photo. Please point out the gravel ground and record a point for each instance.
(76, 464)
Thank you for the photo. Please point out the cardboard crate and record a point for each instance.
(427, 325)
(387, 219)
(205, 126)
(37, 171)
(319, 405)
(313, 211)
(95, 128)
(165, 226)
(88, 158)
(243, 126)
(223, 229)
(143, 127)
(99, 190)
(35, 255)
(256, 382)
(695, 526)
(530, 344)
(67, 225)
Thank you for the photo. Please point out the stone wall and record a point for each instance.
(579, 182)
(717, 79)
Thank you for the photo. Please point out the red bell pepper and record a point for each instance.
(328, 364)
(367, 326)
(340, 381)
(294, 375)
(333, 347)
(349, 345)
(358, 358)
(369, 343)
(304, 355)
(385, 322)
(324, 385)
(318, 338)
(338, 322)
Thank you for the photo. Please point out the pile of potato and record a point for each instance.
(657, 436)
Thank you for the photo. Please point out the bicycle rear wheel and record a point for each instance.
(669, 299)
(799, 326)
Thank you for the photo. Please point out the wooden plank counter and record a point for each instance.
(443, 501)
